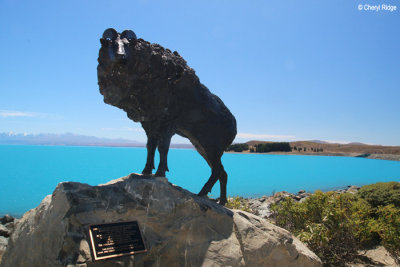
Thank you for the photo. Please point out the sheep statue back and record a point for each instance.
(156, 87)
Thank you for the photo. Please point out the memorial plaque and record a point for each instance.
(116, 239)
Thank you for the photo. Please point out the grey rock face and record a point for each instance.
(261, 206)
(6, 228)
(179, 229)
(4, 231)
(3, 245)
(6, 219)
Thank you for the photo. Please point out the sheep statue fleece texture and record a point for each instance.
(156, 87)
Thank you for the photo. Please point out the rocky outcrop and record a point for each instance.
(179, 229)
(6, 228)
(261, 206)
(378, 257)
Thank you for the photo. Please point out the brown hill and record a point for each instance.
(313, 146)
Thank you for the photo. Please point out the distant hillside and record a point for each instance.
(67, 139)
(70, 139)
(321, 146)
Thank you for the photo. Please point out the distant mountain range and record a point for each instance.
(70, 139)
(67, 139)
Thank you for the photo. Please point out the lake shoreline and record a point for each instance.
(32, 172)
(302, 193)
(391, 157)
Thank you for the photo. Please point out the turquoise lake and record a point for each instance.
(29, 173)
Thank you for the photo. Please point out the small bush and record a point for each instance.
(238, 203)
(388, 228)
(381, 194)
(272, 147)
(240, 147)
(323, 222)
(336, 226)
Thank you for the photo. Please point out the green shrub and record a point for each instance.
(381, 194)
(335, 226)
(322, 222)
(238, 203)
(289, 215)
(363, 221)
(271, 147)
(238, 147)
(388, 228)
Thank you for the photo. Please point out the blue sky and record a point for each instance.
(288, 70)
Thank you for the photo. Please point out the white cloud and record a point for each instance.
(264, 136)
(336, 142)
(14, 113)
(349, 142)
(129, 129)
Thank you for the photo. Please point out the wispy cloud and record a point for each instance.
(129, 129)
(337, 141)
(264, 136)
(14, 113)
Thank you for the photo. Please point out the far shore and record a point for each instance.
(342, 188)
(336, 154)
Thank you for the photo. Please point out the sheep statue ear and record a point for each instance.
(128, 34)
(108, 35)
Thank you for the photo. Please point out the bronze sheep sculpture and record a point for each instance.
(156, 87)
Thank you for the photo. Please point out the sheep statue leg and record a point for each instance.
(218, 172)
(151, 149)
(223, 180)
(151, 146)
(209, 185)
(163, 147)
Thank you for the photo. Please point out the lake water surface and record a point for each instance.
(29, 173)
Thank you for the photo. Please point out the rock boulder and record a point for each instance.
(178, 227)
